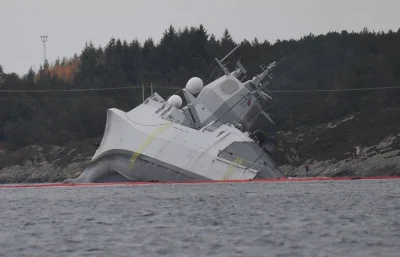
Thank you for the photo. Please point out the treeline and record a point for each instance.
(337, 60)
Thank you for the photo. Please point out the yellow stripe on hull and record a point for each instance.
(231, 168)
(146, 143)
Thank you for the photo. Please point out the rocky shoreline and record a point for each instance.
(360, 145)
(326, 150)
(44, 164)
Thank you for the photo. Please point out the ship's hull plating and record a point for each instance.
(112, 167)
(140, 148)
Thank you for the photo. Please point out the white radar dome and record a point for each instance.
(194, 85)
(175, 101)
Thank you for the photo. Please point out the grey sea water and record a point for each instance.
(330, 218)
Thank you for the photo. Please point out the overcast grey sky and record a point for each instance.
(71, 23)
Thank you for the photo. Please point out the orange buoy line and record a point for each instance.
(304, 179)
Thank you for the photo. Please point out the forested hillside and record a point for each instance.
(337, 60)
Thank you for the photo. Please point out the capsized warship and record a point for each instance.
(213, 137)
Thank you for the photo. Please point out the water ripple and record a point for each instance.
(336, 218)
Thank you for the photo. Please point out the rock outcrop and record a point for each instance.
(36, 164)
(364, 144)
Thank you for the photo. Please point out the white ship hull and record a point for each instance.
(208, 139)
(138, 146)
